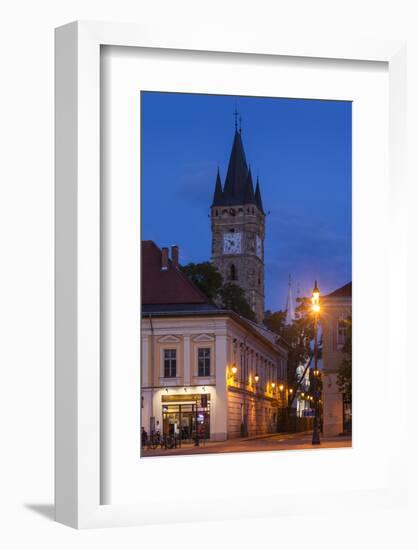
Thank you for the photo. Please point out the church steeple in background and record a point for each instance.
(289, 308)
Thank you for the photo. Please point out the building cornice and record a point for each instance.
(221, 313)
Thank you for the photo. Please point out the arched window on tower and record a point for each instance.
(233, 273)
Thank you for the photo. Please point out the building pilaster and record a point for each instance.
(219, 427)
(187, 366)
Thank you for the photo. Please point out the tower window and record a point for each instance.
(233, 273)
(217, 212)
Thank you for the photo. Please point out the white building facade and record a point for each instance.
(213, 374)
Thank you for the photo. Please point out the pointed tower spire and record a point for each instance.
(289, 308)
(258, 198)
(249, 196)
(237, 173)
(218, 192)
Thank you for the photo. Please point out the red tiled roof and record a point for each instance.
(342, 292)
(166, 287)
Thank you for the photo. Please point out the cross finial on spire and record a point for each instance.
(236, 115)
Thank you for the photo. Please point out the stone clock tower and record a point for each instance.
(238, 229)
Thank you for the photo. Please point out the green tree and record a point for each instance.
(299, 335)
(210, 281)
(206, 276)
(344, 372)
(232, 297)
(275, 321)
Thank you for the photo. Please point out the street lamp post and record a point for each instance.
(256, 378)
(315, 301)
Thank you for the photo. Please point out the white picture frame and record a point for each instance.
(78, 382)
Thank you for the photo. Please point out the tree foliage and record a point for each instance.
(275, 321)
(205, 275)
(209, 280)
(233, 297)
(344, 372)
(299, 335)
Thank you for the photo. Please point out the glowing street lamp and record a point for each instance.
(256, 378)
(315, 299)
(315, 306)
(234, 369)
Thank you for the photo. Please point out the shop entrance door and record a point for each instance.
(185, 419)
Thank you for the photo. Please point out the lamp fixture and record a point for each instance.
(315, 299)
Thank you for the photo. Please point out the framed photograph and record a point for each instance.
(235, 356)
(227, 220)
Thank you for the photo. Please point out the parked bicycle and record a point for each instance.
(166, 441)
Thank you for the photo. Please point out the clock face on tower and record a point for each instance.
(258, 247)
(232, 243)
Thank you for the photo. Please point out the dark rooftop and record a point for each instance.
(179, 308)
(167, 287)
(342, 292)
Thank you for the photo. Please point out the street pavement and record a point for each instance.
(274, 442)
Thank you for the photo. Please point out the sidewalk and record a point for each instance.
(264, 442)
(236, 440)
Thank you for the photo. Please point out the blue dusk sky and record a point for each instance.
(300, 149)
